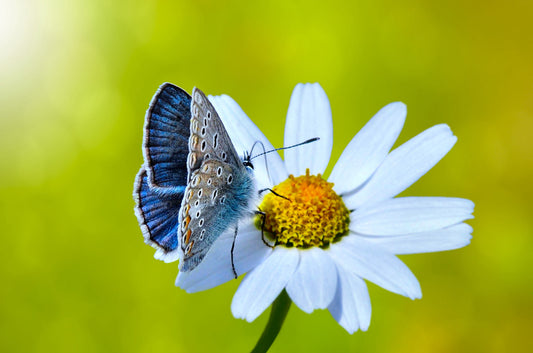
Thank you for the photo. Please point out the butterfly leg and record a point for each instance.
(263, 221)
(233, 248)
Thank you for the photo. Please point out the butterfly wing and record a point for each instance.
(219, 188)
(166, 137)
(209, 139)
(158, 216)
(160, 184)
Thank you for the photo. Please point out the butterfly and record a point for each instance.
(193, 185)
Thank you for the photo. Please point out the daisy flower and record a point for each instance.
(332, 235)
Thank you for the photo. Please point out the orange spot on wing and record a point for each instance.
(188, 236)
(190, 246)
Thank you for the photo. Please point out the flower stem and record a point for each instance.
(279, 311)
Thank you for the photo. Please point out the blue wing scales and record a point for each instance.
(166, 138)
(160, 184)
(158, 216)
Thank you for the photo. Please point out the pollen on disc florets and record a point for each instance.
(311, 215)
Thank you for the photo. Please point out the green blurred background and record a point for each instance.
(76, 78)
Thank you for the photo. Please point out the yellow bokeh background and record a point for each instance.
(76, 78)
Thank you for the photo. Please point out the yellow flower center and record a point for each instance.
(311, 215)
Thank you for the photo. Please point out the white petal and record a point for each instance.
(216, 268)
(373, 263)
(313, 284)
(368, 148)
(351, 306)
(404, 166)
(262, 285)
(406, 215)
(450, 238)
(244, 133)
(309, 116)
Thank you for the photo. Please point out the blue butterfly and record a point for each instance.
(193, 185)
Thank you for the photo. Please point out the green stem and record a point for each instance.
(279, 311)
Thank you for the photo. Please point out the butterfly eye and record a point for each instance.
(208, 114)
(197, 203)
(200, 193)
(215, 138)
(202, 133)
(201, 222)
(204, 145)
(230, 178)
(223, 155)
(207, 156)
(202, 233)
(219, 171)
(198, 214)
(223, 199)
(209, 181)
(248, 164)
(205, 122)
(214, 195)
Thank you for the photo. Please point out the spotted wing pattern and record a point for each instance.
(160, 184)
(219, 185)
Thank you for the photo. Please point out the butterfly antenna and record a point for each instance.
(249, 156)
(284, 148)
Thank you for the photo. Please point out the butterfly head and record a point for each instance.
(247, 161)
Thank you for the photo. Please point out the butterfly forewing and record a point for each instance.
(166, 136)
(209, 138)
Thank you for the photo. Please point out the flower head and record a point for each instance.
(308, 214)
(329, 236)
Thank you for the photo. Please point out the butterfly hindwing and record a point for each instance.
(208, 209)
(219, 186)
(158, 216)
(166, 137)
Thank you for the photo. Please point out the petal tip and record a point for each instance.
(445, 128)
(401, 107)
(316, 86)
(416, 295)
